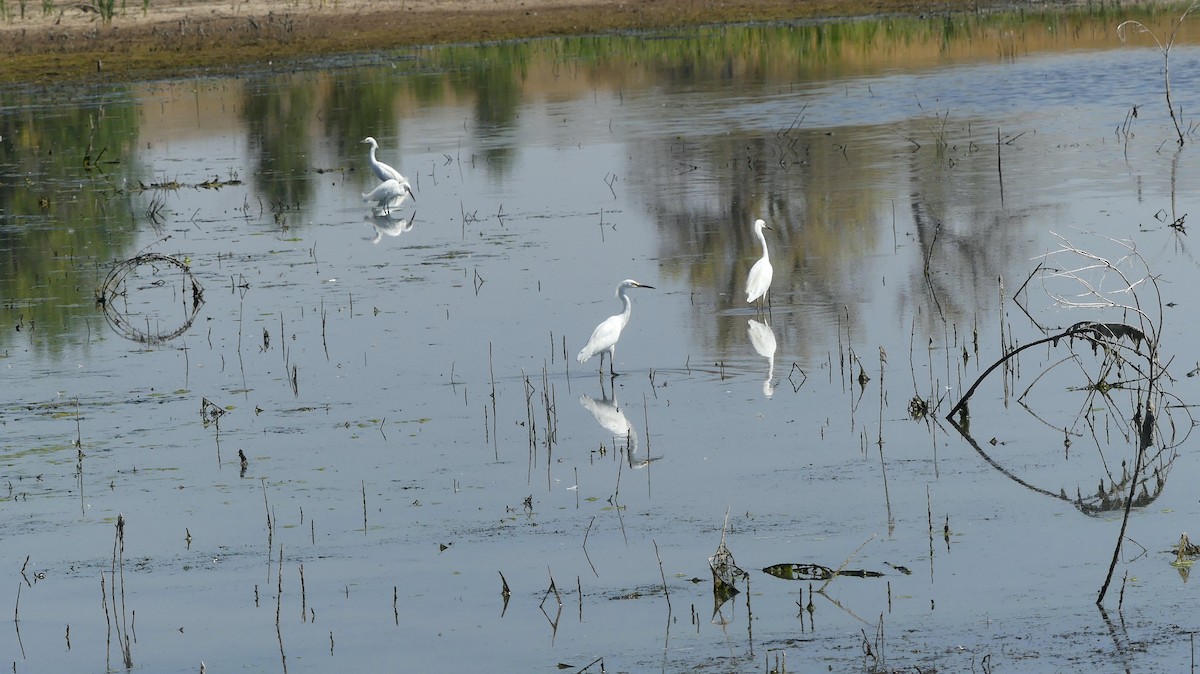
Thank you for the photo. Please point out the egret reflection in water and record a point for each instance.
(608, 414)
(389, 224)
(762, 338)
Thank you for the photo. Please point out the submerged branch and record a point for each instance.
(1096, 332)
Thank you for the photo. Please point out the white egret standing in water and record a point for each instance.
(758, 283)
(605, 336)
(380, 169)
(388, 195)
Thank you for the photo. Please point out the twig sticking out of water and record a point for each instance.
(324, 342)
(117, 571)
(1165, 49)
(278, 606)
(492, 375)
(107, 624)
(662, 574)
(553, 588)
(303, 597)
(589, 665)
(843, 565)
(78, 463)
(999, 168)
(270, 531)
(929, 519)
(585, 552)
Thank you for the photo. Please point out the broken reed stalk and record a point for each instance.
(585, 550)
(364, 502)
(553, 588)
(662, 574)
(882, 395)
(303, 597)
(929, 518)
(551, 414)
(270, 526)
(324, 343)
(107, 623)
(646, 425)
(844, 563)
(278, 604)
(999, 167)
(530, 424)
(279, 587)
(118, 566)
(617, 486)
(492, 375)
(1165, 50)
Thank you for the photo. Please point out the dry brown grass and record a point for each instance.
(173, 37)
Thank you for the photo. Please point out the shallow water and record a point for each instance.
(415, 425)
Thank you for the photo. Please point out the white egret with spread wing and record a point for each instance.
(604, 337)
(388, 195)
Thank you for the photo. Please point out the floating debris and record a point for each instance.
(125, 297)
(814, 572)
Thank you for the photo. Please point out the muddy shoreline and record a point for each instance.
(68, 42)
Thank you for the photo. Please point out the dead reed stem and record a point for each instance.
(303, 597)
(662, 574)
(492, 375)
(278, 606)
(585, 551)
(844, 563)
(999, 168)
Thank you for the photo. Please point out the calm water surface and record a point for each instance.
(417, 431)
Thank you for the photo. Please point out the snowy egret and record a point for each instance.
(380, 169)
(388, 195)
(605, 336)
(759, 280)
(762, 338)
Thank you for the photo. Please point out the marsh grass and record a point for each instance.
(105, 9)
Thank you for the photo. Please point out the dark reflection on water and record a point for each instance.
(279, 123)
(377, 372)
(66, 173)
